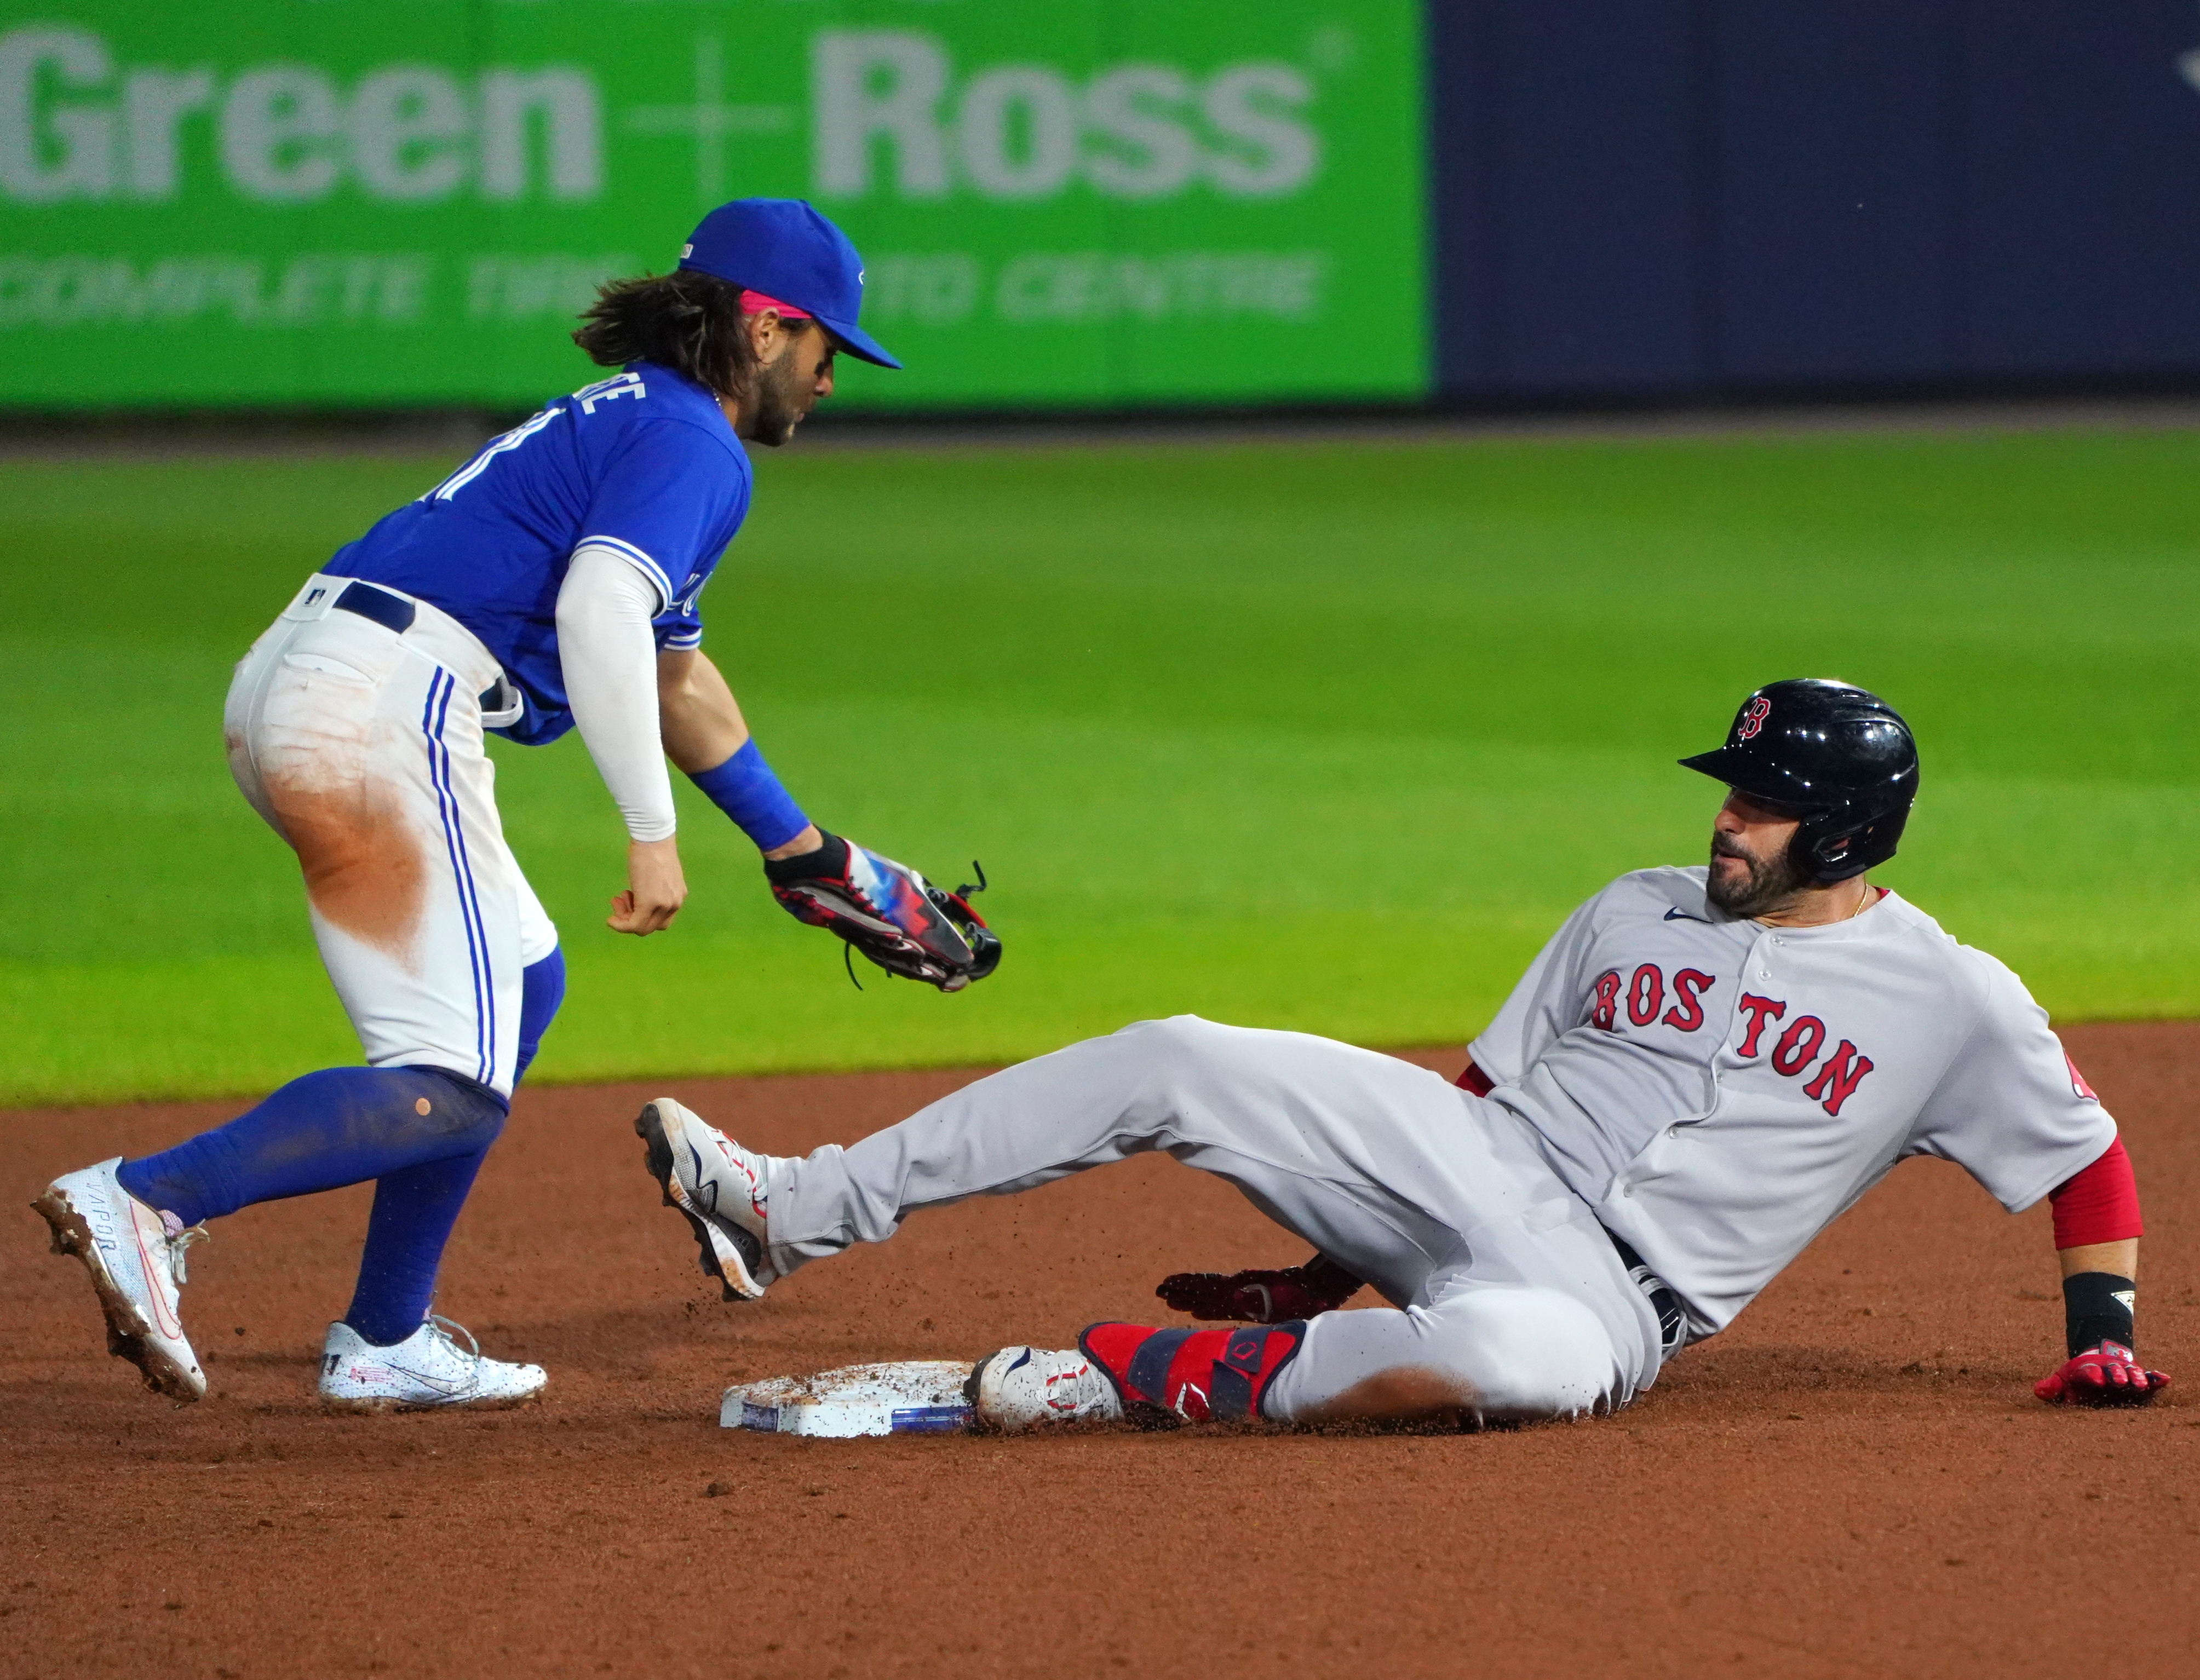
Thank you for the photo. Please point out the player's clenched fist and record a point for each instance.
(1261, 1297)
(656, 889)
(2106, 1375)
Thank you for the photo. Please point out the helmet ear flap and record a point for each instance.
(1817, 849)
(1827, 853)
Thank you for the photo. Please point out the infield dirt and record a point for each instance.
(1853, 1479)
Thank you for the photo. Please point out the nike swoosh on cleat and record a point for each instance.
(440, 1384)
(167, 1320)
(703, 1183)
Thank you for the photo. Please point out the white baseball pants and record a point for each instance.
(363, 748)
(1508, 1299)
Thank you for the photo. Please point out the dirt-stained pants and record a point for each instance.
(1509, 1301)
(362, 747)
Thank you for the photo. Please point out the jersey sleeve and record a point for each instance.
(680, 629)
(669, 500)
(2011, 1109)
(1550, 999)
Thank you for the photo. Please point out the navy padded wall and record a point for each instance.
(1703, 195)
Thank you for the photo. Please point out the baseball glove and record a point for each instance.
(889, 912)
(1261, 1297)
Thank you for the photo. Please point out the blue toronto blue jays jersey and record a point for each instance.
(643, 462)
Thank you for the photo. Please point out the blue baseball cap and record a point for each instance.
(785, 249)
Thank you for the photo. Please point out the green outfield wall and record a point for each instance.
(334, 201)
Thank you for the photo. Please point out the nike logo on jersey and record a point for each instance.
(1677, 914)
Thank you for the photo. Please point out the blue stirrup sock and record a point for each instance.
(338, 1127)
(416, 1206)
(414, 1209)
(744, 788)
(422, 1133)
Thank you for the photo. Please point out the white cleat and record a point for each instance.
(426, 1370)
(722, 1189)
(1018, 1389)
(135, 1254)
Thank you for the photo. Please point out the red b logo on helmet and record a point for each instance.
(1753, 718)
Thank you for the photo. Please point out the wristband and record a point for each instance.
(744, 788)
(828, 863)
(2097, 1308)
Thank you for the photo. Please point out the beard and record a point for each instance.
(775, 403)
(1768, 884)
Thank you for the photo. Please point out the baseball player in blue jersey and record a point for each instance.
(551, 582)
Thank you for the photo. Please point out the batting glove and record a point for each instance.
(1261, 1297)
(2106, 1375)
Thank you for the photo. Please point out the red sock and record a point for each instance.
(1192, 1374)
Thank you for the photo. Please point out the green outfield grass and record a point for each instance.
(1311, 734)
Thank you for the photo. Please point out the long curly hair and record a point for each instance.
(685, 320)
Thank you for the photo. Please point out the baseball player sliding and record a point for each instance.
(1702, 1070)
(550, 583)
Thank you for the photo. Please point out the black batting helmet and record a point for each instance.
(1837, 756)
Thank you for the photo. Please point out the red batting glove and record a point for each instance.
(1261, 1297)
(2107, 1375)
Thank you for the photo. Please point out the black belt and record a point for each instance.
(391, 612)
(1672, 1317)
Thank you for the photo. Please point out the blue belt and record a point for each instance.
(391, 612)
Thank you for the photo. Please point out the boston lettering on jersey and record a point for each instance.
(1796, 1048)
(1703, 1084)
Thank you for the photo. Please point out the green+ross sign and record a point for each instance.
(338, 202)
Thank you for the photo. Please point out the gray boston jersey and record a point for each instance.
(1719, 1090)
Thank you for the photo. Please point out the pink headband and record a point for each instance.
(755, 303)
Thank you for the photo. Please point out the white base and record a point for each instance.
(913, 1396)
